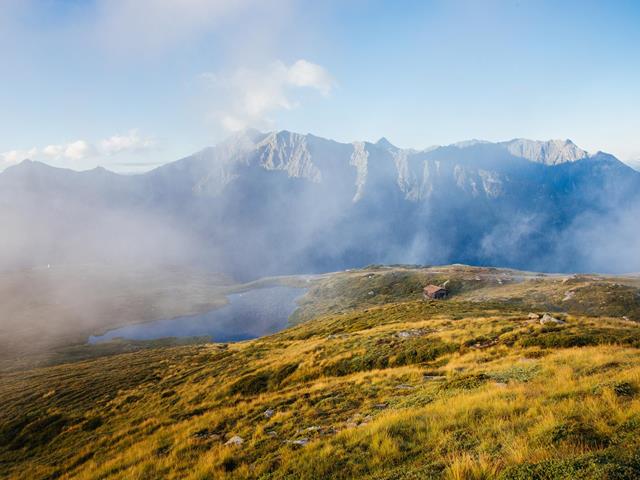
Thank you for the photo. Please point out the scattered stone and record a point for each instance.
(358, 420)
(272, 433)
(625, 318)
(50, 393)
(412, 333)
(404, 386)
(570, 294)
(269, 413)
(235, 441)
(313, 428)
(380, 406)
(334, 336)
(434, 377)
(548, 319)
(534, 316)
(206, 435)
(300, 442)
(371, 293)
(488, 344)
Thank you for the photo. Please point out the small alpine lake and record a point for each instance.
(250, 314)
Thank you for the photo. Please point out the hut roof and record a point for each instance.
(431, 289)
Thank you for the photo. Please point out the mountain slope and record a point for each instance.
(282, 202)
(384, 386)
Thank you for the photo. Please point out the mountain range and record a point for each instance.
(283, 202)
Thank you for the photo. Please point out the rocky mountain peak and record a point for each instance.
(386, 144)
(550, 152)
(289, 152)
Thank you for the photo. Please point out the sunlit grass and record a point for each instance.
(475, 391)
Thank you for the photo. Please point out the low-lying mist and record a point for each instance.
(102, 250)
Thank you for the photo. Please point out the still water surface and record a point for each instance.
(248, 315)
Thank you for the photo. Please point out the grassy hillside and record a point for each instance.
(383, 385)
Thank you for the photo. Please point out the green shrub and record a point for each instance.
(262, 381)
(579, 433)
(251, 384)
(515, 373)
(38, 432)
(466, 382)
(388, 354)
(609, 464)
(282, 373)
(92, 423)
(624, 389)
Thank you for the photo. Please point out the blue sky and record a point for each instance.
(129, 84)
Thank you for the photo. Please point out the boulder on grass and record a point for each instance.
(548, 319)
(235, 440)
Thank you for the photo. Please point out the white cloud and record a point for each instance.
(53, 151)
(232, 124)
(77, 150)
(307, 74)
(131, 142)
(81, 153)
(247, 97)
(16, 156)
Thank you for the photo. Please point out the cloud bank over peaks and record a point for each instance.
(16, 156)
(248, 97)
(75, 153)
(131, 142)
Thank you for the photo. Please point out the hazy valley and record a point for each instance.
(280, 203)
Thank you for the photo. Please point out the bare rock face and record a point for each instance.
(551, 152)
(288, 152)
(534, 316)
(548, 319)
(360, 160)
